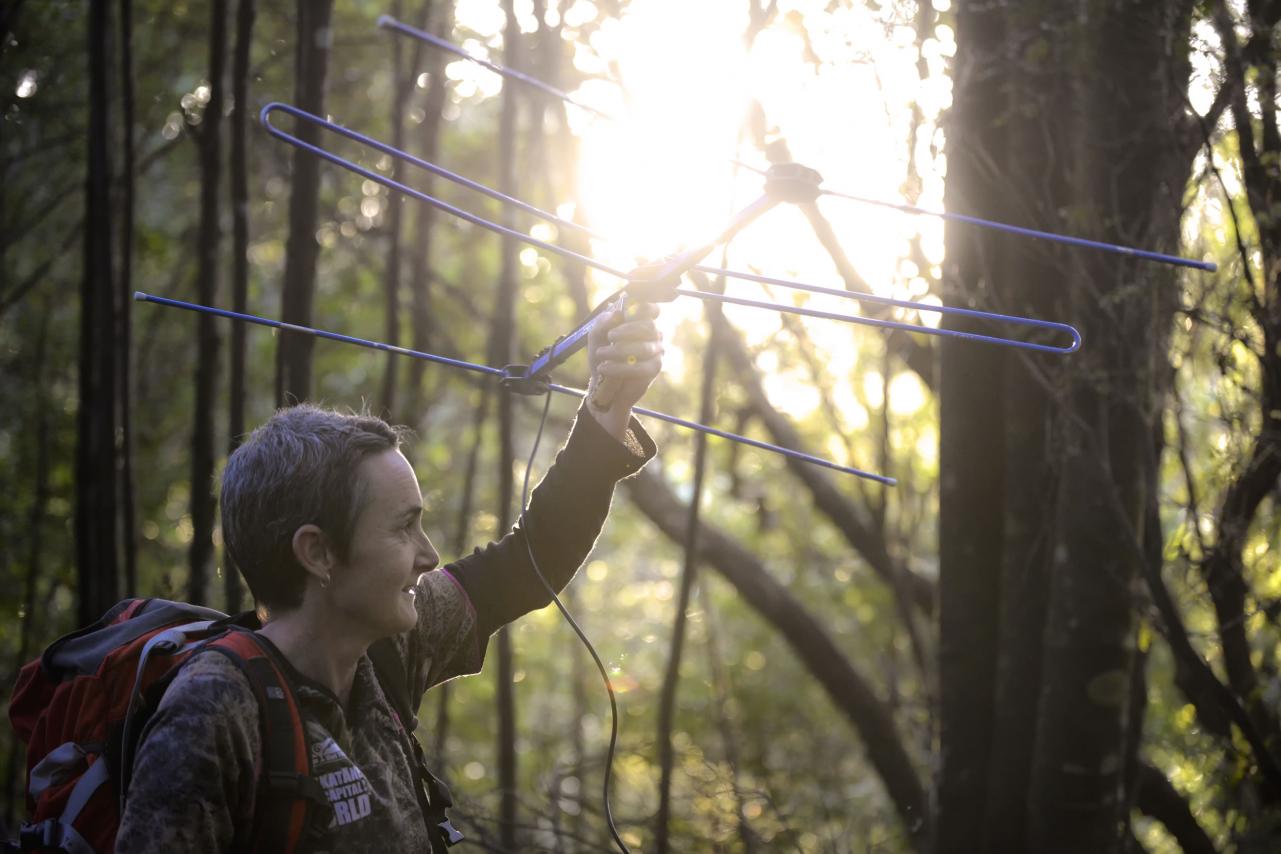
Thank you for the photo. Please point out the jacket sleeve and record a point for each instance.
(465, 602)
(193, 774)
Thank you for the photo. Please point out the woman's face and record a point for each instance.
(373, 589)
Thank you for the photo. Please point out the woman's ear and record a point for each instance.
(314, 552)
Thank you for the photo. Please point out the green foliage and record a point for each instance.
(801, 779)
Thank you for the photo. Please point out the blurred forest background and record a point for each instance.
(1058, 633)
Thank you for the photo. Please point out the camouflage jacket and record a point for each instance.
(195, 773)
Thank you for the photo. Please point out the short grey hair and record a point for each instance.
(297, 468)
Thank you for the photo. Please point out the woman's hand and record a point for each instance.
(626, 354)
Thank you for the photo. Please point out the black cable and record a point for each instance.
(613, 702)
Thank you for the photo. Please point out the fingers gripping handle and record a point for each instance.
(602, 397)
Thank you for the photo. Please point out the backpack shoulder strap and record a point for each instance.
(285, 790)
(434, 797)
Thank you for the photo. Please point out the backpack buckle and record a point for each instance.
(447, 831)
(41, 835)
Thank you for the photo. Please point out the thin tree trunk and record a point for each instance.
(233, 591)
(579, 675)
(723, 691)
(971, 452)
(575, 272)
(97, 546)
(293, 352)
(8, 18)
(551, 56)
(402, 85)
(502, 344)
(823, 659)
(671, 679)
(209, 138)
(428, 134)
(458, 544)
(124, 335)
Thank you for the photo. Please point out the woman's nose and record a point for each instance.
(428, 557)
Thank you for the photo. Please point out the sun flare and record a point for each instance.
(661, 176)
(679, 80)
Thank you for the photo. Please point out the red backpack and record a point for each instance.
(82, 705)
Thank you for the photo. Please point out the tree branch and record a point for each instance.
(853, 524)
(846, 687)
(1156, 798)
(15, 295)
(916, 355)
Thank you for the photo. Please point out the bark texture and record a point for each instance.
(971, 452)
(97, 540)
(1047, 463)
(293, 353)
(501, 345)
(208, 136)
(1128, 185)
(233, 591)
(124, 295)
(438, 17)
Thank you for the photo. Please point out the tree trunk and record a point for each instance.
(1128, 182)
(293, 352)
(560, 176)
(723, 690)
(208, 136)
(124, 298)
(1033, 75)
(239, 163)
(1031, 540)
(458, 546)
(671, 679)
(971, 452)
(402, 81)
(97, 557)
(501, 349)
(8, 18)
(442, 16)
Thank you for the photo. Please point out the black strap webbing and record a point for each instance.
(433, 795)
(390, 669)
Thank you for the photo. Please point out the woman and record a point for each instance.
(322, 514)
